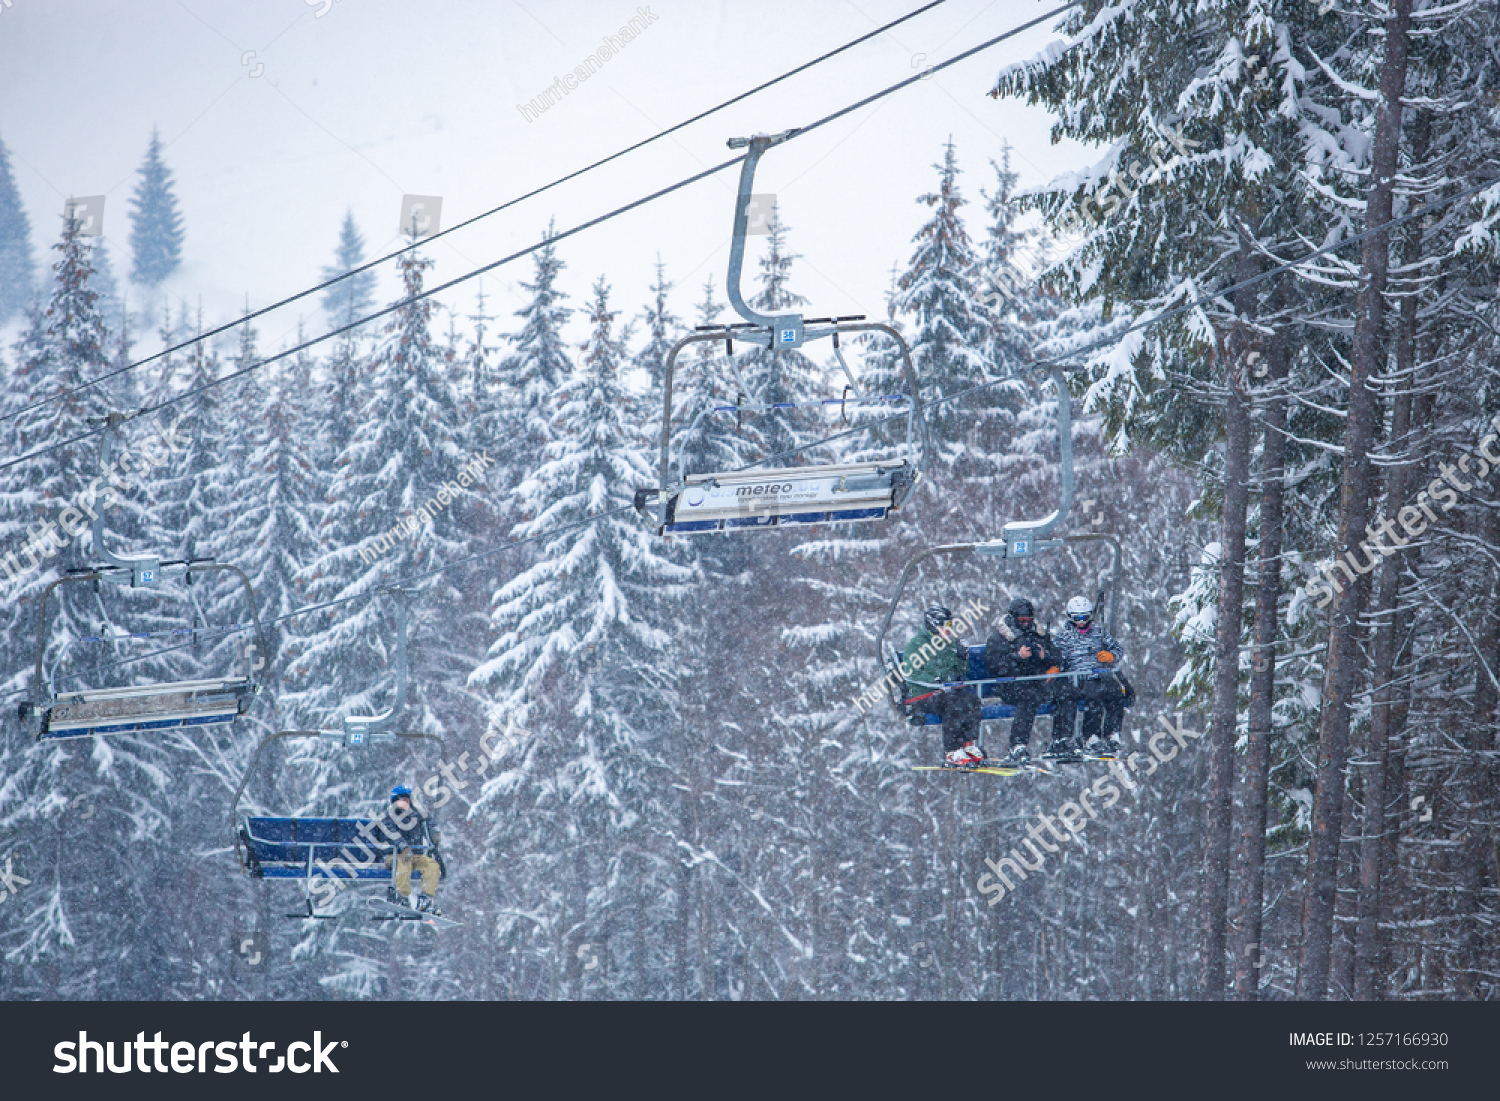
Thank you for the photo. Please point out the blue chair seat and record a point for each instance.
(315, 848)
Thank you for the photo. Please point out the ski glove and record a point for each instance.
(1106, 657)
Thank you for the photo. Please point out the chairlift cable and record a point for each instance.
(1058, 361)
(403, 303)
(496, 210)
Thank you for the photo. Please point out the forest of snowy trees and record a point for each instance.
(688, 805)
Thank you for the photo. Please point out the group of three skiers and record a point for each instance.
(1034, 668)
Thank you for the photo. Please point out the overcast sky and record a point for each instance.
(277, 119)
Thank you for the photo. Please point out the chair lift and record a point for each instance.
(761, 499)
(137, 708)
(309, 849)
(1021, 539)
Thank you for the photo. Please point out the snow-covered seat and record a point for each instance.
(141, 708)
(315, 848)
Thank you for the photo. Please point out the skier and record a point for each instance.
(1089, 649)
(937, 656)
(1016, 648)
(415, 838)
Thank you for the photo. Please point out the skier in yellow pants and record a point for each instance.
(416, 840)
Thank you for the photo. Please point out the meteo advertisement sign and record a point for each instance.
(780, 493)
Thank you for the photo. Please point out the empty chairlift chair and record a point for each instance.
(130, 709)
(760, 499)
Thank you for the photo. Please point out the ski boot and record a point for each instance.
(1019, 754)
(1109, 746)
(427, 904)
(1061, 747)
(396, 899)
(958, 758)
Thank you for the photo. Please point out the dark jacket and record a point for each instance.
(1002, 651)
(420, 833)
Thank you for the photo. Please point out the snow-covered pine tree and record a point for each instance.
(56, 935)
(346, 395)
(585, 655)
(663, 329)
(1009, 253)
(586, 608)
(193, 496)
(950, 326)
(273, 528)
(533, 372)
(389, 480)
(156, 232)
(17, 266)
(479, 362)
(351, 298)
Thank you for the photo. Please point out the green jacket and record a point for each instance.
(945, 661)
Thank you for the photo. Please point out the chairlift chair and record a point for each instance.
(311, 848)
(137, 708)
(751, 500)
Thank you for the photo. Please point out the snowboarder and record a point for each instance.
(1090, 650)
(1016, 648)
(416, 839)
(936, 655)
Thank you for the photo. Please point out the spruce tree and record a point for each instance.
(155, 223)
(389, 478)
(354, 297)
(533, 372)
(950, 325)
(586, 609)
(662, 330)
(17, 266)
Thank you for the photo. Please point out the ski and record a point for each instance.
(967, 768)
(1076, 758)
(407, 913)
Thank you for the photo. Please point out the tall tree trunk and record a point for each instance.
(1225, 716)
(1383, 621)
(1250, 850)
(1479, 865)
(1343, 661)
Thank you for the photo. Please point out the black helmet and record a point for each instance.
(937, 615)
(1020, 607)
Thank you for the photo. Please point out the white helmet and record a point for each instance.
(1080, 611)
